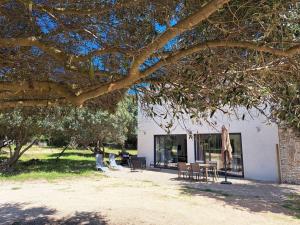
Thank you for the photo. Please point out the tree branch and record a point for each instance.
(129, 80)
(184, 25)
(85, 12)
(42, 86)
(221, 44)
(134, 73)
(28, 147)
(33, 41)
(55, 52)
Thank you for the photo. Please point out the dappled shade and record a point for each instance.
(21, 214)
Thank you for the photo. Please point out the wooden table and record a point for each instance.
(206, 167)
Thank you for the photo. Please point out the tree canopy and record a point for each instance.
(81, 126)
(87, 126)
(209, 52)
(21, 127)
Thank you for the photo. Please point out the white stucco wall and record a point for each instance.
(258, 141)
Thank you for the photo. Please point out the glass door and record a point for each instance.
(208, 148)
(170, 149)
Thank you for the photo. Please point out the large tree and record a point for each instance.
(89, 127)
(57, 52)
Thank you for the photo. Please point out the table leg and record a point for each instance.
(216, 175)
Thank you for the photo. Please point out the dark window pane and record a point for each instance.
(208, 148)
(170, 149)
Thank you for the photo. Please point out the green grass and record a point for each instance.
(40, 163)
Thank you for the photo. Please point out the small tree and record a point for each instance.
(21, 127)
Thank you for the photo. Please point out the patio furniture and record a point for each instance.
(137, 163)
(195, 170)
(204, 167)
(112, 162)
(213, 170)
(183, 170)
(100, 164)
(124, 158)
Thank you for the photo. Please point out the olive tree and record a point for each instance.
(91, 52)
(89, 127)
(22, 128)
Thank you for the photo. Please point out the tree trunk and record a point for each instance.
(62, 152)
(14, 157)
(16, 154)
(103, 149)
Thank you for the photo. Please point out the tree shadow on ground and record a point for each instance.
(20, 214)
(251, 196)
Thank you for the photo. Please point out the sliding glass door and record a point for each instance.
(170, 149)
(208, 148)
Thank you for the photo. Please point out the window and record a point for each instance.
(170, 149)
(208, 148)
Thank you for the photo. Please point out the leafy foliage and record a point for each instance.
(84, 126)
(87, 126)
(21, 127)
(202, 55)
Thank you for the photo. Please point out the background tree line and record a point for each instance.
(67, 126)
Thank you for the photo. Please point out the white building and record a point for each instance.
(254, 143)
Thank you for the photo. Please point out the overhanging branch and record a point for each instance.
(290, 52)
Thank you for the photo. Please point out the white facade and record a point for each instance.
(259, 141)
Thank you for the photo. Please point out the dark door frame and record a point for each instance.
(159, 135)
(241, 146)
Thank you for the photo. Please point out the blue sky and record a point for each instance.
(47, 25)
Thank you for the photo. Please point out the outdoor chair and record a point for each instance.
(137, 162)
(195, 171)
(112, 162)
(183, 170)
(213, 170)
(100, 164)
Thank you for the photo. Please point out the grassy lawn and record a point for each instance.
(40, 163)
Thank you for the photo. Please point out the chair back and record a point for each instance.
(112, 160)
(195, 167)
(135, 163)
(213, 163)
(99, 160)
(182, 166)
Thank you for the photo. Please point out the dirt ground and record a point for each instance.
(147, 197)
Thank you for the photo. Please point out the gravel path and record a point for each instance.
(147, 197)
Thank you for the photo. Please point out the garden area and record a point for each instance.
(42, 163)
(82, 79)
